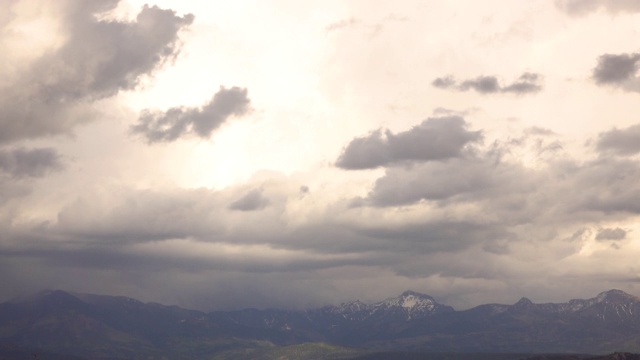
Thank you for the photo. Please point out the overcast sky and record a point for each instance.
(221, 155)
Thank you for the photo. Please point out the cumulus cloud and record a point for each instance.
(20, 162)
(436, 138)
(618, 70)
(157, 126)
(98, 58)
(620, 141)
(582, 7)
(496, 182)
(525, 84)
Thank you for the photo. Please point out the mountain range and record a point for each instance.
(59, 323)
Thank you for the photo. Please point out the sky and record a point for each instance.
(294, 154)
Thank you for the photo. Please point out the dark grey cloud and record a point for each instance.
(620, 141)
(98, 59)
(21, 162)
(436, 181)
(481, 84)
(253, 200)
(128, 216)
(157, 126)
(440, 236)
(583, 7)
(611, 234)
(525, 84)
(617, 194)
(444, 82)
(618, 70)
(436, 138)
(96, 257)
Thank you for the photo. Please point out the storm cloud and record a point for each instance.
(434, 139)
(167, 126)
(98, 59)
(525, 84)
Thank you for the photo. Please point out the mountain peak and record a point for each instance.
(615, 295)
(412, 304)
(411, 299)
(524, 302)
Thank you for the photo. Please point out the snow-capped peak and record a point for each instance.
(412, 304)
(410, 299)
(409, 304)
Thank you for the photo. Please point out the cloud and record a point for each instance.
(437, 236)
(342, 24)
(500, 185)
(20, 162)
(486, 216)
(536, 130)
(120, 216)
(617, 193)
(252, 201)
(436, 138)
(618, 70)
(525, 84)
(98, 59)
(170, 125)
(460, 204)
(481, 84)
(611, 234)
(436, 181)
(622, 142)
(583, 7)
